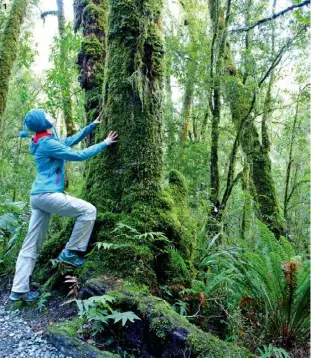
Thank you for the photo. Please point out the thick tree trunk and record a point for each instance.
(91, 15)
(129, 176)
(132, 170)
(8, 47)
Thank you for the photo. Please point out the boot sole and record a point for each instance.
(21, 299)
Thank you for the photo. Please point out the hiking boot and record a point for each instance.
(70, 258)
(27, 296)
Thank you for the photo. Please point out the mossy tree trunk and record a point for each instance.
(241, 99)
(92, 15)
(187, 104)
(8, 47)
(65, 87)
(219, 36)
(127, 181)
(257, 154)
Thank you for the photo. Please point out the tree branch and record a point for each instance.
(279, 56)
(305, 3)
(44, 14)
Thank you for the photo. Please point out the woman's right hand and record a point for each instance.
(112, 138)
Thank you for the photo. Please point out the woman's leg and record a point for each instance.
(66, 205)
(38, 227)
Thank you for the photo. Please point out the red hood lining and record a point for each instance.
(40, 135)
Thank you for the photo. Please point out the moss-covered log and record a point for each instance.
(65, 338)
(160, 332)
(92, 17)
(8, 47)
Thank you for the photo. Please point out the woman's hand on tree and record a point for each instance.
(112, 138)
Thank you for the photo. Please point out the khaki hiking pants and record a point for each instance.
(43, 205)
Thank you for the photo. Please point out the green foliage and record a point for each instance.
(58, 76)
(97, 309)
(268, 284)
(180, 307)
(13, 224)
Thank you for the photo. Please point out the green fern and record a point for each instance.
(279, 285)
(273, 352)
(98, 310)
(270, 278)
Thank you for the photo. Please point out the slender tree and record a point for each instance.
(242, 98)
(8, 47)
(65, 88)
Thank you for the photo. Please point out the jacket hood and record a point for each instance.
(34, 146)
(36, 121)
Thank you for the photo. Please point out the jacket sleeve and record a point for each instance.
(55, 149)
(76, 138)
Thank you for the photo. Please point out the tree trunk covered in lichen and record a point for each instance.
(8, 47)
(91, 15)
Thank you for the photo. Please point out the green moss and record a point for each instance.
(128, 260)
(91, 46)
(64, 336)
(9, 45)
(95, 17)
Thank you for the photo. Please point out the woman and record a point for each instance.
(47, 196)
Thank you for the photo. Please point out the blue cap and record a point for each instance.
(35, 121)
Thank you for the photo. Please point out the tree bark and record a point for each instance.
(91, 15)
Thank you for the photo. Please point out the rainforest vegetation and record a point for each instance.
(201, 243)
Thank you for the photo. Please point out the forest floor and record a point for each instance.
(23, 326)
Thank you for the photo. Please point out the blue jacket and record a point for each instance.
(50, 154)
